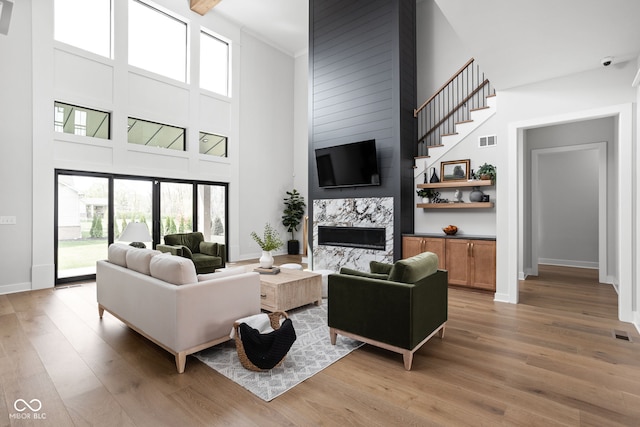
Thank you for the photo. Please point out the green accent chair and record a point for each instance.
(398, 307)
(206, 256)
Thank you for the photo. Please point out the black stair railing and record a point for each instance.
(465, 91)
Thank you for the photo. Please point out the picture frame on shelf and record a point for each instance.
(454, 170)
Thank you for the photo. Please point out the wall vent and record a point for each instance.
(621, 335)
(487, 141)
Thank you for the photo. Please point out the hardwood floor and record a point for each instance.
(551, 360)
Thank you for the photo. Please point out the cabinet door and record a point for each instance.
(437, 246)
(483, 264)
(457, 261)
(411, 246)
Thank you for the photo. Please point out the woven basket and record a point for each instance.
(274, 318)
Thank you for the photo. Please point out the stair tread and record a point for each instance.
(448, 134)
(463, 121)
(480, 108)
(422, 157)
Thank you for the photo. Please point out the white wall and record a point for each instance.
(258, 119)
(15, 150)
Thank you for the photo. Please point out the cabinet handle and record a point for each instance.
(468, 249)
(472, 249)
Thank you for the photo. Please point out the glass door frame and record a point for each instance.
(155, 232)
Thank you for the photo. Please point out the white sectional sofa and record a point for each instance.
(161, 297)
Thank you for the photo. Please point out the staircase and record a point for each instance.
(459, 107)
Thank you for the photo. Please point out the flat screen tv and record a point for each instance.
(348, 165)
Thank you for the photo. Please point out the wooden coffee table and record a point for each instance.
(289, 289)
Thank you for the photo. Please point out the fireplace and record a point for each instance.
(353, 237)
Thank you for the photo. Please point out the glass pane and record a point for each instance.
(155, 134)
(157, 41)
(84, 24)
(213, 145)
(82, 224)
(211, 212)
(132, 200)
(176, 208)
(214, 64)
(80, 121)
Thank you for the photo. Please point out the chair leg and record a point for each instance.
(407, 357)
(441, 332)
(100, 311)
(333, 335)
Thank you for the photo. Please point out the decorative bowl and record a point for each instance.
(450, 230)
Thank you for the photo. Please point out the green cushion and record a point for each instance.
(351, 272)
(411, 270)
(380, 267)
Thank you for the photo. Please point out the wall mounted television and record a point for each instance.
(348, 165)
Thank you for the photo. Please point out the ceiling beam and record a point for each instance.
(203, 6)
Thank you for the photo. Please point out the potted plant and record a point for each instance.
(427, 194)
(291, 218)
(486, 171)
(270, 241)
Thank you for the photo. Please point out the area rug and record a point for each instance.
(311, 352)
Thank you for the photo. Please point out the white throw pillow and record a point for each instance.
(232, 271)
(117, 254)
(173, 269)
(138, 259)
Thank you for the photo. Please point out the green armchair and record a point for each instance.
(206, 256)
(397, 307)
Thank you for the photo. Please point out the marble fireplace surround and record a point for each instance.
(366, 212)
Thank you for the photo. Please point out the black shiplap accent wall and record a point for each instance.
(362, 85)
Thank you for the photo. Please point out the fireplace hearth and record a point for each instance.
(353, 237)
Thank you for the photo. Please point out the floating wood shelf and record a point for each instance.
(456, 184)
(452, 205)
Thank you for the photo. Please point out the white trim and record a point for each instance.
(536, 154)
(14, 288)
(570, 263)
(512, 208)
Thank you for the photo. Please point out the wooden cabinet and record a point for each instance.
(470, 262)
(412, 245)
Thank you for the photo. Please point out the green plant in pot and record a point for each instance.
(270, 241)
(292, 216)
(427, 193)
(486, 171)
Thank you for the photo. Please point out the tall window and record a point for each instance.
(176, 208)
(157, 41)
(84, 24)
(214, 64)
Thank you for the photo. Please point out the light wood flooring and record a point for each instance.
(551, 360)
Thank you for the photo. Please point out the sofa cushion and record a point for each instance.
(173, 269)
(232, 271)
(138, 259)
(380, 267)
(191, 240)
(117, 254)
(412, 269)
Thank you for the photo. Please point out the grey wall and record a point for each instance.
(568, 182)
(362, 86)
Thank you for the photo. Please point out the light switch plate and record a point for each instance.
(7, 220)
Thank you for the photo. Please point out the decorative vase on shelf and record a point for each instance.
(476, 195)
(434, 177)
(425, 200)
(266, 260)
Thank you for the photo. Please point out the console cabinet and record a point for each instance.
(470, 262)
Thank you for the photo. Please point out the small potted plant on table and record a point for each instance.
(269, 242)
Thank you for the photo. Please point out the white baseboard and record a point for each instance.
(569, 263)
(15, 287)
(501, 297)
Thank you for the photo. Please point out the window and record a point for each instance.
(213, 145)
(157, 41)
(214, 64)
(80, 121)
(152, 134)
(84, 24)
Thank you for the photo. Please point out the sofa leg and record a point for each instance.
(333, 335)
(100, 311)
(407, 356)
(181, 361)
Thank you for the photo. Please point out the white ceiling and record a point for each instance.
(516, 42)
(281, 23)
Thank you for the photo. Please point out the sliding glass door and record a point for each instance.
(82, 224)
(94, 209)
